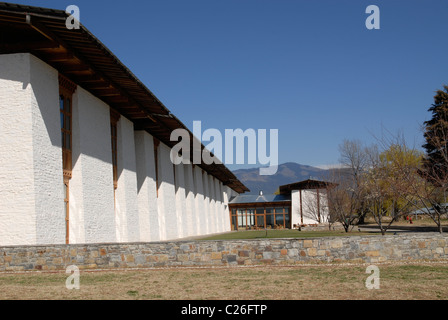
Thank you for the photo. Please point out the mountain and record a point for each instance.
(287, 173)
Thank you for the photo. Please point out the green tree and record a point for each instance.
(435, 164)
(390, 183)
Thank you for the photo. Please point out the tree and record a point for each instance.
(354, 156)
(345, 201)
(375, 189)
(315, 204)
(413, 182)
(435, 163)
(391, 181)
(342, 202)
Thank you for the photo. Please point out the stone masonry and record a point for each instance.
(351, 249)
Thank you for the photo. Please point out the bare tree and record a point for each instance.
(342, 205)
(346, 201)
(315, 205)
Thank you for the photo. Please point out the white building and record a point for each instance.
(309, 202)
(85, 146)
(297, 204)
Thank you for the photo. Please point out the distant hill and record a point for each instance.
(287, 173)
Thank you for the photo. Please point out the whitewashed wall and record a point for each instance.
(31, 197)
(199, 201)
(126, 204)
(167, 195)
(190, 224)
(227, 195)
(309, 206)
(91, 188)
(181, 201)
(146, 187)
(190, 202)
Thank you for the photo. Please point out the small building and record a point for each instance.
(252, 212)
(85, 145)
(309, 202)
(296, 204)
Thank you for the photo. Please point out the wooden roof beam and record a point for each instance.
(75, 68)
(29, 46)
(60, 57)
(106, 92)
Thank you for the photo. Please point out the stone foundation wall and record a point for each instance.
(360, 249)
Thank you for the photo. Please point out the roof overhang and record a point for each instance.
(81, 57)
(306, 184)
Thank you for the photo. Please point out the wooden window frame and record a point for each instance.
(273, 205)
(114, 118)
(156, 163)
(66, 131)
(66, 90)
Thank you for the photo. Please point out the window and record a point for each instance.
(66, 90)
(241, 218)
(260, 221)
(66, 133)
(156, 163)
(279, 220)
(233, 220)
(270, 221)
(114, 118)
(260, 217)
(250, 218)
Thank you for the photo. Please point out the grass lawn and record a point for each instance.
(292, 233)
(284, 233)
(398, 281)
(320, 282)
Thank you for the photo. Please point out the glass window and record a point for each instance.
(279, 210)
(62, 121)
(67, 123)
(251, 217)
(260, 221)
(234, 226)
(241, 218)
(259, 211)
(270, 221)
(287, 221)
(269, 210)
(279, 220)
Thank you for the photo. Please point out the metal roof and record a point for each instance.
(249, 198)
(81, 57)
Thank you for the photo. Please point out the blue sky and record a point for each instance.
(310, 69)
